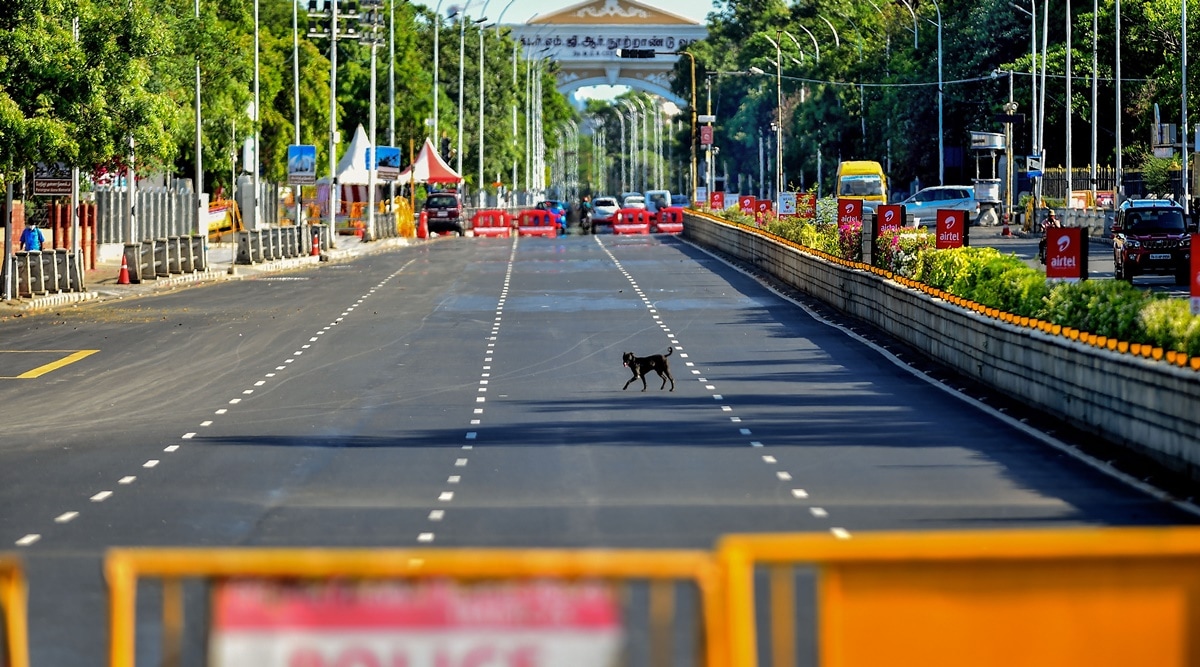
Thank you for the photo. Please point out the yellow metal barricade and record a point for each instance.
(13, 607)
(1117, 596)
(663, 570)
(405, 227)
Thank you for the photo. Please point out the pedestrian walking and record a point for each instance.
(31, 237)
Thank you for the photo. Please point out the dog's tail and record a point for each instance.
(669, 351)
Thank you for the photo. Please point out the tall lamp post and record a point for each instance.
(941, 96)
(778, 114)
(479, 183)
(462, 36)
(692, 168)
(332, 35)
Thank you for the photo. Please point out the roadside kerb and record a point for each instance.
(1132, 401)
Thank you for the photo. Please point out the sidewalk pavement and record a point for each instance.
(100, 284)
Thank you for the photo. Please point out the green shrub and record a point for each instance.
(898, 250)
(1169, 324)
(1103, 307)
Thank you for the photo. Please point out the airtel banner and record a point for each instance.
(888, 217)
(716, 201)
(951, 229)
(746, 203)
(849, 211)
(1066, 254)
(1196, 274)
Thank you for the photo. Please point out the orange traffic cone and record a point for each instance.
(123, 276)
(316, 246)
(1006, 231)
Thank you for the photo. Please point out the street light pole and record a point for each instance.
(437, 72)
(201, 210)
(941, 97)
(462, 36)
(779, 112)
(692, 172)
(479, 183)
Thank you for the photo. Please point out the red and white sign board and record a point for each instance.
(1063, 259)
(706, 135)
(849, 212)
(716, 201)
(746, 203)
(951, 229)
(1195, 249)
(806, 206)
(426, 624)
(763, 207)
(888, 217)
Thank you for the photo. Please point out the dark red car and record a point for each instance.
(1150, 236)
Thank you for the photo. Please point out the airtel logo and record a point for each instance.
(949, 221)
(849, 207)
(888, 215)
(1064, 242)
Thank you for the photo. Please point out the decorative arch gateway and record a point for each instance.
(584, 39)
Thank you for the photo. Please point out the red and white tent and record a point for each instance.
(428, 168)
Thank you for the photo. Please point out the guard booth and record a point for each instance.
(536, 222)
(986, 146)
(631, 221)
(492, 223)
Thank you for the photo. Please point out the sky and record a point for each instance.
(520, 11)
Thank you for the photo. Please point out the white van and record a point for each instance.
(656, 199)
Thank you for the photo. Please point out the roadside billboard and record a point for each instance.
(387, 161)
(302, 165)
(1066, 254)
(787, 204)
(888, 217)
(746, 203)
(1195, 293)
(849, 211)
(716, 201)
(951, 229)
(806, 206)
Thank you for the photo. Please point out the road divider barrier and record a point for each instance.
(164, 257)
(364, 607)
(536, 222)
(631, 221)
(14, 646)
(1133, 400)
(41, 272)
(256, 246)
(1070, 597)
(670, 220)
(488, 222)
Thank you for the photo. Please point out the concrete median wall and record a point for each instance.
(1149, 406)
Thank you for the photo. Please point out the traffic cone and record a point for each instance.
(1006, 231)
(316, 246)
(123, 276)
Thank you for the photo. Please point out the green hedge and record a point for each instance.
(1111, 308)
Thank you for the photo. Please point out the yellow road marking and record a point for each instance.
(52, 366)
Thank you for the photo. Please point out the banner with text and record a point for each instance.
(414, 624)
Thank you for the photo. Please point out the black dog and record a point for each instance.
(642, 365)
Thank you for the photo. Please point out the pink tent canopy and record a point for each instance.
(428, 168)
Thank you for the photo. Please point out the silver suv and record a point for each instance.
(924, 205)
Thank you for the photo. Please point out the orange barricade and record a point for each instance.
(631, 221)
(535, 222)
(670, 220)
(492, 223)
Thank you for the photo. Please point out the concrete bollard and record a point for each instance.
(133, 261)
(199, 252)
(174, 255)
(160, 258)
(62, 270)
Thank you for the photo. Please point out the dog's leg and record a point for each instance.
(643, 381)
(630, 381)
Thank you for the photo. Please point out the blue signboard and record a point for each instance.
(302, 165)
(388, 162)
